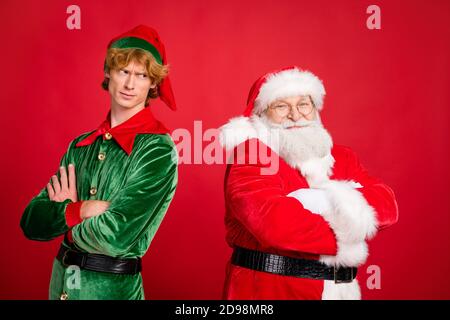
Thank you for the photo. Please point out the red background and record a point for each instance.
(387, 98)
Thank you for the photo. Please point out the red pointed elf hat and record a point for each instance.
(283, 83)
(147, 38)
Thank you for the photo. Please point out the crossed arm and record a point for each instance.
(66, 188)
(52, 212)
(110, 227)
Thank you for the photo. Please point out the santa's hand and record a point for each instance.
(314, 200)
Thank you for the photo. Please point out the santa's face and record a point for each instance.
(295, 124)
(129, 86)
(292, 112)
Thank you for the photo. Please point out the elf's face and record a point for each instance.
(129, 86)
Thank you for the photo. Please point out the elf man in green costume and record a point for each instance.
(114, 184)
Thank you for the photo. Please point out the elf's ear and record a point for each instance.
(107, 75)
(153, 86)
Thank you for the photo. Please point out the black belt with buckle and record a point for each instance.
(98, 262)
(287, 266)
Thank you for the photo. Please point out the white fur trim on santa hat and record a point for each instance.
(288, 83)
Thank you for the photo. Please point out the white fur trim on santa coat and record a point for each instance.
(288, 83)
(353, 219)
(348, 254)
(317, 170)
(236, 131)
(341, 291)
(241, 129)
(351, 246)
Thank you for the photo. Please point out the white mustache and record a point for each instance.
(299, 123)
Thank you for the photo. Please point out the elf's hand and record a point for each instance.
(92, 208)
(66, 188)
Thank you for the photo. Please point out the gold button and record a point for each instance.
(108, 136)
(101, 156)
(93, 191)
(64, 296)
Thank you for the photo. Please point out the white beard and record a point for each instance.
(307, 149)
(298, 146)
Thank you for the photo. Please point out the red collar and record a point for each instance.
(124, 133)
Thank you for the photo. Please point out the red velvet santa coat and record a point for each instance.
(261, 216)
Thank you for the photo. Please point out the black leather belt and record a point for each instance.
(287, 266)
(98, 262)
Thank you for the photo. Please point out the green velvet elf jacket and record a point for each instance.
(134, 167)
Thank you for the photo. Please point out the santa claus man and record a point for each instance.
(300, 231)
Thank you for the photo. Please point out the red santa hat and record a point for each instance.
(283, 83)
(147, 39)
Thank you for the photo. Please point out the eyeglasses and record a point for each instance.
(284, 109)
